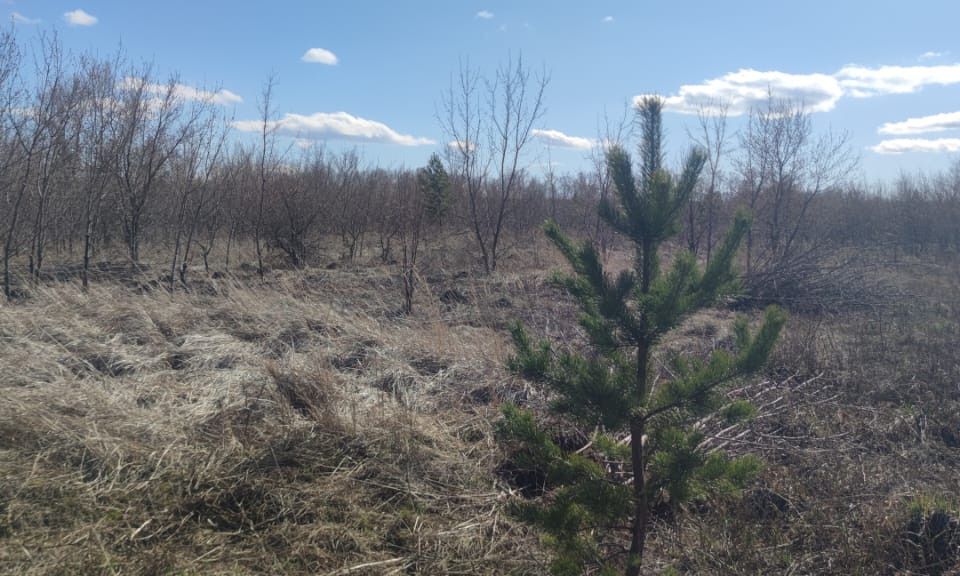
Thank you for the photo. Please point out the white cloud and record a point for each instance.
(607, 19)
(861, 82)
(335, 126)
(184, 92)
(901, 145)
(557, 138)
(221, 97)
(746, 88)
(461, 146)
(320, 56)
(19, 18)
(931, 55)
(484, 15)
(79, 18)
(923, 124)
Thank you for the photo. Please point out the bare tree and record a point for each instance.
(462, 121)
(211, 216)
(152, 122)
(194, 167)
(57, 129)
(610, 133)
(353, 195)
(784, 168)
(411, 194)
(300, 200)
(266, 163)
(753, 165)
(488, 142)
(552, 188)
(37, 145)
(237, 207)
(97, 155)
(387, 210)
(711, 136)
(13, 187)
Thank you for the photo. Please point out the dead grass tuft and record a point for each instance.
(213, 432)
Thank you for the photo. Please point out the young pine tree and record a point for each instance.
(645, 422)
(436, 188)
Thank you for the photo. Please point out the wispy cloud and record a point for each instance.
(79, 18)
(334, 126)
(607, 19)
(19, 18)
(221, 97)
(558, 138)
(902, 145)
(320, 56)
(747, 88)
(485, 15)
(931, 55)
(923, 124)
(185, 92)
(862, 82)
(461, 145)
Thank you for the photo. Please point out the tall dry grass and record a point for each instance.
(302, 425)
(294, 427)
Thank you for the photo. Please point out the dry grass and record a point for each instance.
(303, 426)
(857, 423)
(298, 427)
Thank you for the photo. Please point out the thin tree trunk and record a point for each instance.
(641, 507)
(86, 257)
(8, 242)
(230, 235)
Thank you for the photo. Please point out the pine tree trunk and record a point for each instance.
(638, 455)
(638, 540)
(641, 507)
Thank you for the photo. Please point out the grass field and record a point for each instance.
(303, 426)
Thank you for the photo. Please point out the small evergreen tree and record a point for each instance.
(647, 423)
(435, 184)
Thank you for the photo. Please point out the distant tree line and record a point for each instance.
(99, 156)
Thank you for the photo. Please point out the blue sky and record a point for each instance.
(888, 72)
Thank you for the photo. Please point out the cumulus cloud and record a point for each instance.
(320, 56)
(19, 18)
(485, 15)
(746, 88)
(607, 19)
(558, 138)
(334, 126)
(861, 82)
(923, 124)
(901, 145)
(79, 18)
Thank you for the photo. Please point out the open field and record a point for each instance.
(386, 289)
(303, 426)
